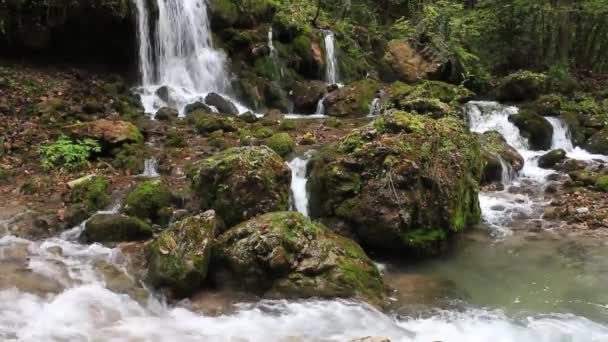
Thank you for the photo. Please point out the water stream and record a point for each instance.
(298, 195)
(331, 59)
(511, 289)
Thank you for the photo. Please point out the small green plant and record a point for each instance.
(68, 154)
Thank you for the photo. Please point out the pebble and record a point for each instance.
(582, 210)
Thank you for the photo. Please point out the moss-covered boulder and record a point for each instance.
(521, 86)
(208, 123)
(149, 201)
(404, 62)
(535, 128)
(106, 228)
(93, 193)
(403, 183)
(598, 143)
(498, 154)
(352, 100)
(601, 183)
(109, 132)
(548, 105)
(281, 143)
(285, 254)
(433, 98)
(242, 182)
(223, 105)
(178, 258)
(551, 158)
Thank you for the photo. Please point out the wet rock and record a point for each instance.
(179, 257)
(598, 143)
(551, 189)
(521, 86)
(570, 165)
(406, 63)
(222, 104)
(197, 106)
(209, 123)
(352, 100)
(242, 182)
(248, 117)
(552, 158)
(495, 149)
(119, 282)
(115, 228)
(390, 171)
(584, 177)
(306, 95)
(163, 94)
(148, 201)
(111, 132)
(16, 275)
(284, 254)
(166, 114)
(535, 128)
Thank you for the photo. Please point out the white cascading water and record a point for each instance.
(331, 59)
(320, 106)
(150, 168)
(299, 195)
(499, 207)
(179, 55)
(374, 107)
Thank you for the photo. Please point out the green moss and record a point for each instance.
(115, 228)
(130, 158)
(521, 86)
(175, 138)
(287, 125)
(281, 143)
(209, 123)
(5, 174)
(263, 132)
(432, 241)
(602, 183)
(94, 194)
(267, 68)
(147, 201)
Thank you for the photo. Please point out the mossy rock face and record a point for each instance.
(209, 123)
(148, 201)
(602, 183)
(435, 98)
(352, 100)
(285, 254)
(306, 95)
(108, 132)
(405, 63)
(551, 158)
(535, 128)
(521, 86)
(494, 147)
(93, 193)
(106, 228)
(179, 257)
(599, 142)
(404, 183)
(130, 158)
(242, 182)
(281, 143)
(548, 105)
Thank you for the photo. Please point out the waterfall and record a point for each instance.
(375, 107)
(179, 55)
(150, 168)
(320, 106)
(299, 196)
(331, 69)
(507, 171)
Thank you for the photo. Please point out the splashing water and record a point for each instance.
(561, 139)
(179, 55)
(374, 107)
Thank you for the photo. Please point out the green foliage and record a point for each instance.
(68, 154)
(148, 200)
(602, 183)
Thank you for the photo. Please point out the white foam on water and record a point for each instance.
(561, 140)
(74, 233)
(374, 107)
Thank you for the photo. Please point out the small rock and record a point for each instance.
(222, 104)
(166, 114)
(582, 210)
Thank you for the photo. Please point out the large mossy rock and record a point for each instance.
(109, 132)
(434, 98)
(93, 192)
(552, 158)
(179, 257)
(598, 143)
(242, 182)
(285, 254)
(535, 128)
(403, 183)
(306, 95)
(498, 154)
(149, 201)
(405, 63)
(521, 86)
(106, 228)
(352, 100)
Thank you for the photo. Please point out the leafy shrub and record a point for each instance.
(68, 154)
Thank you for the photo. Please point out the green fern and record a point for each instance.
(65, 154)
